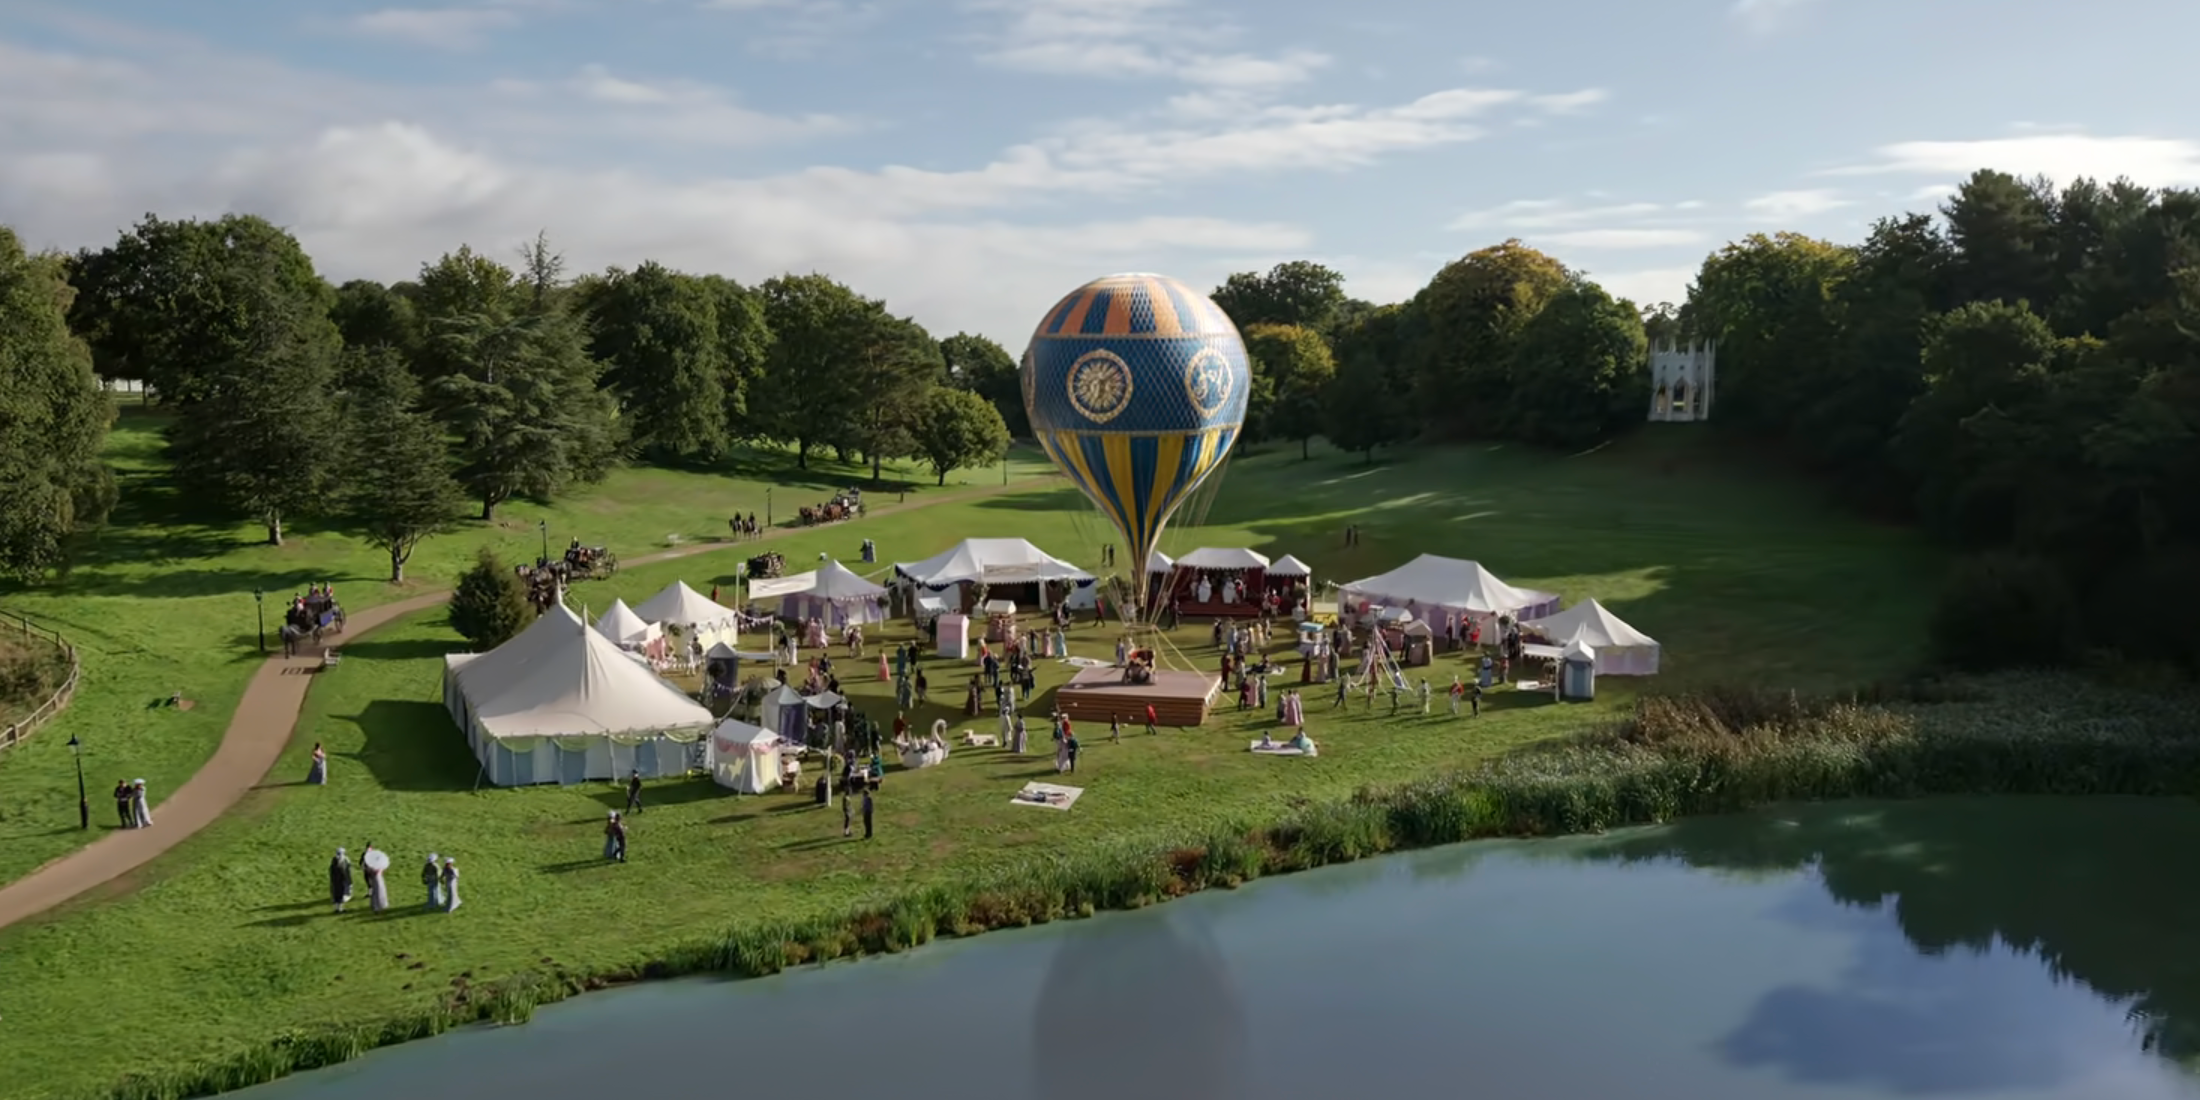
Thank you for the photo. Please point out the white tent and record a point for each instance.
(624, 627)
(1209, 557)
(1288, 566)
(561, 703)
(745, 758)
(1429, 583)
(990, 561)
(836, 595)
(703, 618)
(1620, 649)
(1158, 562)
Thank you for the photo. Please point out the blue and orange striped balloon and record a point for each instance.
(1136, 386)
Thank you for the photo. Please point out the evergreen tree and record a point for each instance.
(490, 606)
(398, 488)
(53, 418)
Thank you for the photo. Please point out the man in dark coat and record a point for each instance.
(866, 812)
(634, 792)
(339, 880)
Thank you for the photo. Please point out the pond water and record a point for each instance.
(1985, 949)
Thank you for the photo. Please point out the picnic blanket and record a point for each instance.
(1087, 662)
(1279, 748)
(1049, 795)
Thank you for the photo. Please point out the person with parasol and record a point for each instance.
(378, 888)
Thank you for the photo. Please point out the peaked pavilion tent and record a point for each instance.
(624, 627)
(996, 563)
(1620, 649)
(1288, 566)
(561, 703)
(1432, 586)
(839, 597)
(702, 618)
(1158, 562)
(1233, 559)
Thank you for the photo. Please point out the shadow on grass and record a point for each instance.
(395, 649)
(661, 793)
(815, 843)
(186, 583)
(570, 866)
(410, 745)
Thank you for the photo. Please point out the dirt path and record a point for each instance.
(266, 719)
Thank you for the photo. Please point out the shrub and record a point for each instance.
(2003, 610)
(490, 605)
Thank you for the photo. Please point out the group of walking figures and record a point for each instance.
(438, 876)
(132, 805)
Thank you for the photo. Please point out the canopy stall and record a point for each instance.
(1203, 578)
(1288, 568)
(745, 758)
(1444, 591)
(699, 617)
(561, 703)
(784, 708)
(1619, 649)
(1008, 568)
(836, 596)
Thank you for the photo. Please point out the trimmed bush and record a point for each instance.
(490, 604)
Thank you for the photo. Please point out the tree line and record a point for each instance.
(2015, 371)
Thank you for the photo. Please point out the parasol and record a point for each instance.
(378, 861)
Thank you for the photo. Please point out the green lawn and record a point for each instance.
(227, 940)
(163, 605)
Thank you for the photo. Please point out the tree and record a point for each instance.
(744, 346)
(818, 328)
(490, 606)
(174, 303)
(1580, 370)
(1369, 404)
(397, 489)
(1769, 303)
(370, 315)
(53, 418)
(1472, 314)
(891, 364)
(511, 376)
(957, 429)
(987, 369)
(656, 332)
(1296, 292)
(1298, 363)
(2004, 234)
(255, 430)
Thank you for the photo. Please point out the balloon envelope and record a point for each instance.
(1136, 386)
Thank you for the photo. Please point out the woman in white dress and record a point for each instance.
(141, 805)
(318, 774)
(450, 885)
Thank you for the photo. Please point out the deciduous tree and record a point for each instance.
(1473, 312)
(1296, 292)
(1580, 369)
(53, 418)
(656, 332)
(1298, 364)
(956, 429)
(986, 368)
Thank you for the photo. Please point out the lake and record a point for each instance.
(1985, 949)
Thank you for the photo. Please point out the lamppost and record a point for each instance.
(1004, 465)
(767, 507)
(544, 525)
(83, 800)
(259, 608)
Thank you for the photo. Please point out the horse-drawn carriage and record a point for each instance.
(590, 563)
(846, 504)
(767, 566)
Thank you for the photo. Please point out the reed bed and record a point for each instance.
(1675, 756)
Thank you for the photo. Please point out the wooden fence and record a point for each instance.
(17, 732)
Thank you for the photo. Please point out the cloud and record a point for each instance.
(437, 28)
(1617, 239)
(2149, 161)
(375, 179)
(1934, 193)
(797, 29)
(1127, 39)
(1531, 214)
(1568, 103)
(1787, 205)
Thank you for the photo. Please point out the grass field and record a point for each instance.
(228, 941)
(163, 605)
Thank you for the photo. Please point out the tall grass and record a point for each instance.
(1675, 756)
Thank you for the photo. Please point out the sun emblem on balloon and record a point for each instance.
(1100, 386)
(1207, 381)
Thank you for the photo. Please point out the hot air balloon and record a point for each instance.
(1136, 387)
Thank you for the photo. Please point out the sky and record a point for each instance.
(970, 161)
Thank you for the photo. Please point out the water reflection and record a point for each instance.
(1139, 1007)
(1954, 905)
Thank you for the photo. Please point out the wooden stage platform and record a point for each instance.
(1096, 695)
